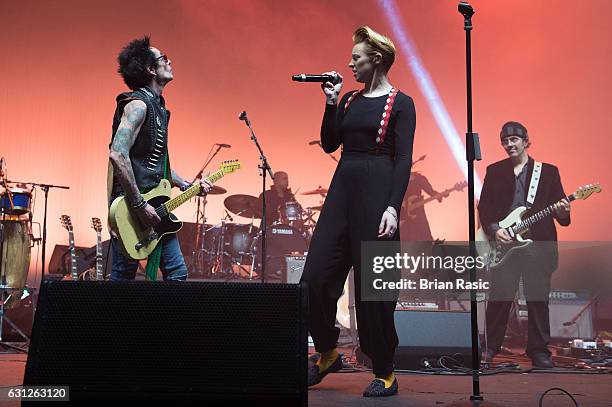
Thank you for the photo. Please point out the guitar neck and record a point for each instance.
(422, 202)
(189, 193)
(73, 262)
(525, 224)
(99, 270)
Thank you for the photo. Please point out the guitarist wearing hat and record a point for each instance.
(509, 184)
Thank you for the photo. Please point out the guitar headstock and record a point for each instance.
(66, 222)
(460, 185)
(587, 190)
(229, 166)
(96, 224)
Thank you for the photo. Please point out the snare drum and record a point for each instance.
(22, 199)
(15, 259)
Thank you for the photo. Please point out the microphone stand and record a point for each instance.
(472, 151)
(197, 255)
(264, 168)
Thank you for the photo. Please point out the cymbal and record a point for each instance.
(318, 191)
(217, 190)
(243, 205)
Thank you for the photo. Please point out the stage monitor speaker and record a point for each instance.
(171, 343)
(432, 339)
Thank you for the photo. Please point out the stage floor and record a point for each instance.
(344, 389)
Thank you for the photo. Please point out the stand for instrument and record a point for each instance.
(197, 258)
(472, 146)
(264, 168)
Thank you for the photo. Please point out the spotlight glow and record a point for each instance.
(427, 87)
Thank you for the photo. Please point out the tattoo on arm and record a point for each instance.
(177, 180)
(131, 122)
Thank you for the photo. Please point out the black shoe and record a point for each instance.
(542, 361)
(315, 377)
(377, 389)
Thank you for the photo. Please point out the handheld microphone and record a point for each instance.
(223, 145)
(313, 142)
(314, 78)
(229, 216)
(243, 115)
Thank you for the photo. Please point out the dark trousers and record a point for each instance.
(357, 198)
(504, 283)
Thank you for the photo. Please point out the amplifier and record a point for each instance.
(294, 266)
(564, 306)
(430, 338)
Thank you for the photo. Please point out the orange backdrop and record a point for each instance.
(544, 63)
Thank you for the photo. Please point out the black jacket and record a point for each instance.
(498, 192)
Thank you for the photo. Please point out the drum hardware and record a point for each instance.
(319, 191)
(198, 254)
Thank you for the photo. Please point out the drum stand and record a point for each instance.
(198, 254)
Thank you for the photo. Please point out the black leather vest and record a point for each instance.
(150, 150)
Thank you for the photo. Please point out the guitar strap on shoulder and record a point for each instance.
(533, 185)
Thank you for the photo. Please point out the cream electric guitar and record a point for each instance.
(518, 226)
(67, 224)
(137, 242)
(96, 224)
(414, 201)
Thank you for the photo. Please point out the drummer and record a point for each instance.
(278, 194)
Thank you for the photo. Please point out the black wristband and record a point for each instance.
(140, 204)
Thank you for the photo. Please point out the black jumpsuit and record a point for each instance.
(369, 178)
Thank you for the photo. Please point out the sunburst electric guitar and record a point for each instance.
(138, 242)
(518, 224)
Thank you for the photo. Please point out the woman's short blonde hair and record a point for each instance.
(376, 43)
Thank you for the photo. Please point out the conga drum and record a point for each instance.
(15, 260)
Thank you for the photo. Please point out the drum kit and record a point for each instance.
(229, 249)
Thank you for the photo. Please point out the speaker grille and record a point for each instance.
(200, 337)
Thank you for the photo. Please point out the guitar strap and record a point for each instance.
(154, 259)
(533, 185)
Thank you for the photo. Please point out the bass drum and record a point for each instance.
(15, 259)
(281, 240)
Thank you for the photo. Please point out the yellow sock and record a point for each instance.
(387, 380)
(327, 359)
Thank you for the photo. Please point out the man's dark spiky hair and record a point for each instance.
(133, 62)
